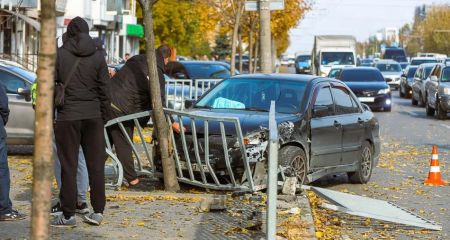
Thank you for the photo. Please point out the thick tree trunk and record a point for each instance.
(250, 47)
(43, 162)
(168, 164)
(255, 60)
(234, 37)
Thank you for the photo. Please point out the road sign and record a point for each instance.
(252, 5)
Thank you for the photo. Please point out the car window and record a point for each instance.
(411, 72)
(11, 82)
(437, 72)
(324, 99)
(445, 77)
(426, 72)
(360, 75)
(343, 101)
(337, 58)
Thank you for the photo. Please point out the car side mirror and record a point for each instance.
(320, 111)
(180, 75)
(189, 103)
(434, 78)
(26, 93)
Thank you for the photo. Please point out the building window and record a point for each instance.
(111, 5)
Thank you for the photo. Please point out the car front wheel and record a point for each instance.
(440, 112)
(364, 166)
(429, 110)
(293, 160)
(413, 101)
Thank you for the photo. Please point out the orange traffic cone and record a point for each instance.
(434, 176)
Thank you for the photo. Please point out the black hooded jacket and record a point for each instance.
(86, 93)
(129, 88)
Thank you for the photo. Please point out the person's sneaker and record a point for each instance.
(14, 215)
(61, 221)
(56, 209)
(82, 209)
(93, 218)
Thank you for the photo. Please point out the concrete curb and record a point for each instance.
(303, 202)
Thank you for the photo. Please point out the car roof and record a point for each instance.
(19, 71)
(278, 76)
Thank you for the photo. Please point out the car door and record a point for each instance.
(417, 83)
(326, 131)
(349, 114)
(432, 86)
(20, 126)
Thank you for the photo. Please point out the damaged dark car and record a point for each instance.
(322, 126)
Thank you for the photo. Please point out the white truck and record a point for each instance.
(332, 50)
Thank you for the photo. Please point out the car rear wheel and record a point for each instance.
(430, 111)
(364, 165)
(440, 112)
(293, 160)
(413, 101)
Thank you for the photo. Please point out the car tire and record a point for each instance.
(400, 92)
(364, 166)
(420, 102)
(440, 113)
(413, 101)
(293, 160)
(430, 111)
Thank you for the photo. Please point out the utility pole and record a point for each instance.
(265, 36)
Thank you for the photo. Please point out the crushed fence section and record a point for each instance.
(179, 90)
(142, 151)
(209, 152)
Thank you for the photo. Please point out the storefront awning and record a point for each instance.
(34, 23)
(135, 30)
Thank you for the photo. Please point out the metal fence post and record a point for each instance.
(272, 176)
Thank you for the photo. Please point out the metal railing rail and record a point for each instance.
(178, 90)
(272, 183)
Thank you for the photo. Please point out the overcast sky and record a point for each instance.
(360, 18)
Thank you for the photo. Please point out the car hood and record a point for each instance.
(250, 121)
(391, 74)
(367, 85)
(444, 85)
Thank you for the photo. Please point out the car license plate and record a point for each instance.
(367, 99)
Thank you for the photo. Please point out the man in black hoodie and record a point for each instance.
(129, 93)
(80, 120)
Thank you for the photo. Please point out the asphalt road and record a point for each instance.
(407, 138)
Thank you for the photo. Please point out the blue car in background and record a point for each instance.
(303, 64)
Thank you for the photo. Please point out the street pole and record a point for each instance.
(265, 36)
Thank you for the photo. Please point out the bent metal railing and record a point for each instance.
(192, 152)
(179, 90)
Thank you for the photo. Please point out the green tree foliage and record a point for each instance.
(436, 29)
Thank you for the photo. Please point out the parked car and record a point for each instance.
(418, 87)
(438, 91)
(368, 84)
(407, 81)
(392, 72)
(303, 64)
(198, 70)
(18, 81)
(416, 61)
(323, 128)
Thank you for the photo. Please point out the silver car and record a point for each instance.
(438, 91)
(392, 72)
(421, 77)
(18, 81)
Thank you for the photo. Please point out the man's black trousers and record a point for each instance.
(90, 135)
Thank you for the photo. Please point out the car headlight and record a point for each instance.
(446, 91)
(384, 91)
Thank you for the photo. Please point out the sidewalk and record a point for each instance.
(161, 215)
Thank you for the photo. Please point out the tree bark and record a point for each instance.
(240, 52)
(162, 129)
(43, 161)
(250, 47)
(234, 37)
(255, 60)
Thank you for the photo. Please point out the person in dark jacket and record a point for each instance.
(7, 213)
(129, 93)
(80, 120)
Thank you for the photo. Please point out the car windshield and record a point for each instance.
(338, 58)
(411, 72)
(428, 71)
(389, 67)
(395, 54)
(420, 61)
(255, 94)
(446, 75)
(303, 58)
(208, 71)
(361, 75)
(334, 72)
(30, 76)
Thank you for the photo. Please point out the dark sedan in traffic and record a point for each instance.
(369, 86)
(323, 127)
(406, 81)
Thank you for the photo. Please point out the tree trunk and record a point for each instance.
(162, 129)
(43, 161)
(250, 47)
(255, 60)
(240, 52)
(234, 37)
